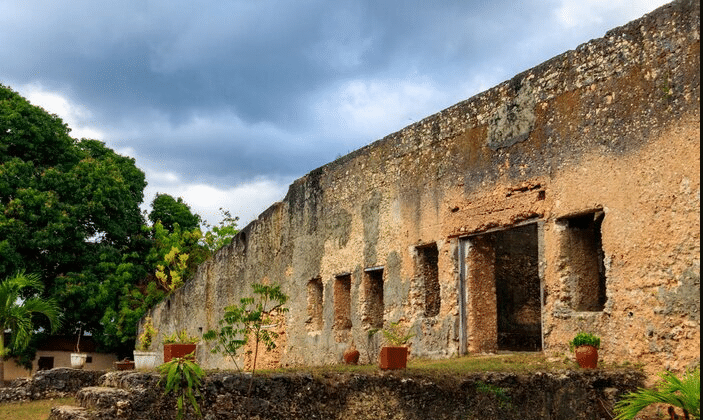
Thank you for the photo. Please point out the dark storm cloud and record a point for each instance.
(239, 89)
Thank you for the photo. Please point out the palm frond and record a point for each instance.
(48, 308)
(682, 393)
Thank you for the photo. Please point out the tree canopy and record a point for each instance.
(61, 199)
(169, 211)
(70, 212)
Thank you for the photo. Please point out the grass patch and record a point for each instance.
(31, 410)
(512, 362)
(508, 362)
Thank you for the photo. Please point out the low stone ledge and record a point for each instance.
(577, 395)
(67, 412)
(100, 397)
(54, 383)
(130, 379)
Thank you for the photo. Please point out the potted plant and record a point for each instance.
(394, 355)
(179, 344)
(585, 347)
(143, 357)
(78, 359)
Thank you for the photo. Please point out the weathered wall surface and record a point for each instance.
(598, 145)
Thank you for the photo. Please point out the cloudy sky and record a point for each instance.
(225, 103)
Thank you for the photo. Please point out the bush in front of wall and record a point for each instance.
(182, 378)
(396, 335)
(254, 317)
(179, 344)
(585, 347)
(395, 354)
(180, 337)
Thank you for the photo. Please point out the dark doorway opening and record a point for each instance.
(518, 289)
(503, 307)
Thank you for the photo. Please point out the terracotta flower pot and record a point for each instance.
(393, 358)
(177, 350)
(586, 356)
(124, 365)
(351, 357)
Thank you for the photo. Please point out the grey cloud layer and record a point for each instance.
(234, 90)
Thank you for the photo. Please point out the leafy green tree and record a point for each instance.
(171, 259)
(175, 254)
(18, 311)
(222, 234)
(169, 211)
(69, 211)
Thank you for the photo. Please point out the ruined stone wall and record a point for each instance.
(604, 137)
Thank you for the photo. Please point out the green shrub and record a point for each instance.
(180, 337)
(254, 317)
(395, 334)
(146, 337)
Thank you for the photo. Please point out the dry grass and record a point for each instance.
(31, 410)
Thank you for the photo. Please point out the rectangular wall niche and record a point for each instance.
(502, 276)
(342, 302)
(373, 298)
(582, 258)
(315, 292)
(427, 272)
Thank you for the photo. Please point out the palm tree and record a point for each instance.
(17, 313)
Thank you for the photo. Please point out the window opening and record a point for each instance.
(342, 302)
(315, 290)
(428, 273)
(583, 260)
(373, 298)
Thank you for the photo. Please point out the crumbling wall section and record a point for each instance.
(611, 127)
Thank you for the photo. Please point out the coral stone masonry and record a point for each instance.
(566, 199)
